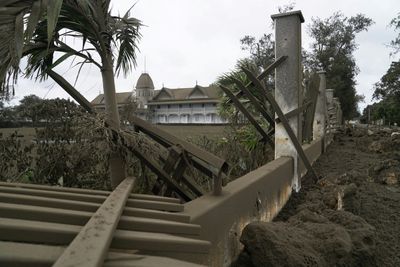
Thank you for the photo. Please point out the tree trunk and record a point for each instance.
(117, 163)
(70, 90)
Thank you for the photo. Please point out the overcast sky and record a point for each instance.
(185, 41)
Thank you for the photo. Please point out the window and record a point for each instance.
(180, 105)
(202, 105)
(162, 118)
(169, 106)
(158, 106)
(214, 105)
(198, 118)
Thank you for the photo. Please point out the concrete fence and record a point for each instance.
(260, 194)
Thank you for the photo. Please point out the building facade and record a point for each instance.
(197, 105)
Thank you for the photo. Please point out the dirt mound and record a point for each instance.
(386, 172)
(349, 217)
(338, 238)
(384, 142)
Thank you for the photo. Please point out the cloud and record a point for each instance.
(198, 40)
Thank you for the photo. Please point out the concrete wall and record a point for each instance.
(258, 195)
(313, 151)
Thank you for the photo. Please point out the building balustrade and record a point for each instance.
(200, 110)
(193, 114)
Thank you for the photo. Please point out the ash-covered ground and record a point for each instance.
(350, 216)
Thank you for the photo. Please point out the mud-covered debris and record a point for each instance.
(337, 238)
(386, 172)
(376, 146)
(351, 198)
(395, 134)
(349, 217)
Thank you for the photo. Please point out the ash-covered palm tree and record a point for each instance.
(38, 29)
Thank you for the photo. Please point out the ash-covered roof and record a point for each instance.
(197, 92)
(122, 98)
(144, 82)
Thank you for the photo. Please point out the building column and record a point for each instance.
(320, 109)
(288, 77)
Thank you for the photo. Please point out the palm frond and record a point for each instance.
(48, 23)
(13, 15)
(53, 12)
(126, 30)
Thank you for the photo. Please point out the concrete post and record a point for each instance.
(338, 110)
(339, 114)
(329, 96)
(320, 110)
(335, 102)
(288, 83)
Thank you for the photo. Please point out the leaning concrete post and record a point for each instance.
(320, 110)
(288, 83)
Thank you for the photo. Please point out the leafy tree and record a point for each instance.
(261, 51)
(15, 157)
(106, 39)
(332, 50)
(29, 108)
(286, 8)
(8, 115)
(387, 109)
(243, 132)
(387, 90)
(261, 54)
(58, 110)
(389, 85)
(395, 23)
(128, 110)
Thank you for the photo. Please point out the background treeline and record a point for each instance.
(387, 90)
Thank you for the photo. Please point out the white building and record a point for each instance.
(196, 105)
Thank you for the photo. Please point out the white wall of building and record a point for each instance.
(186, 113)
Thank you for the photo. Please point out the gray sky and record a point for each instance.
(185, 41)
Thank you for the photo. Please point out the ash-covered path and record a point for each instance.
(349, 217)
